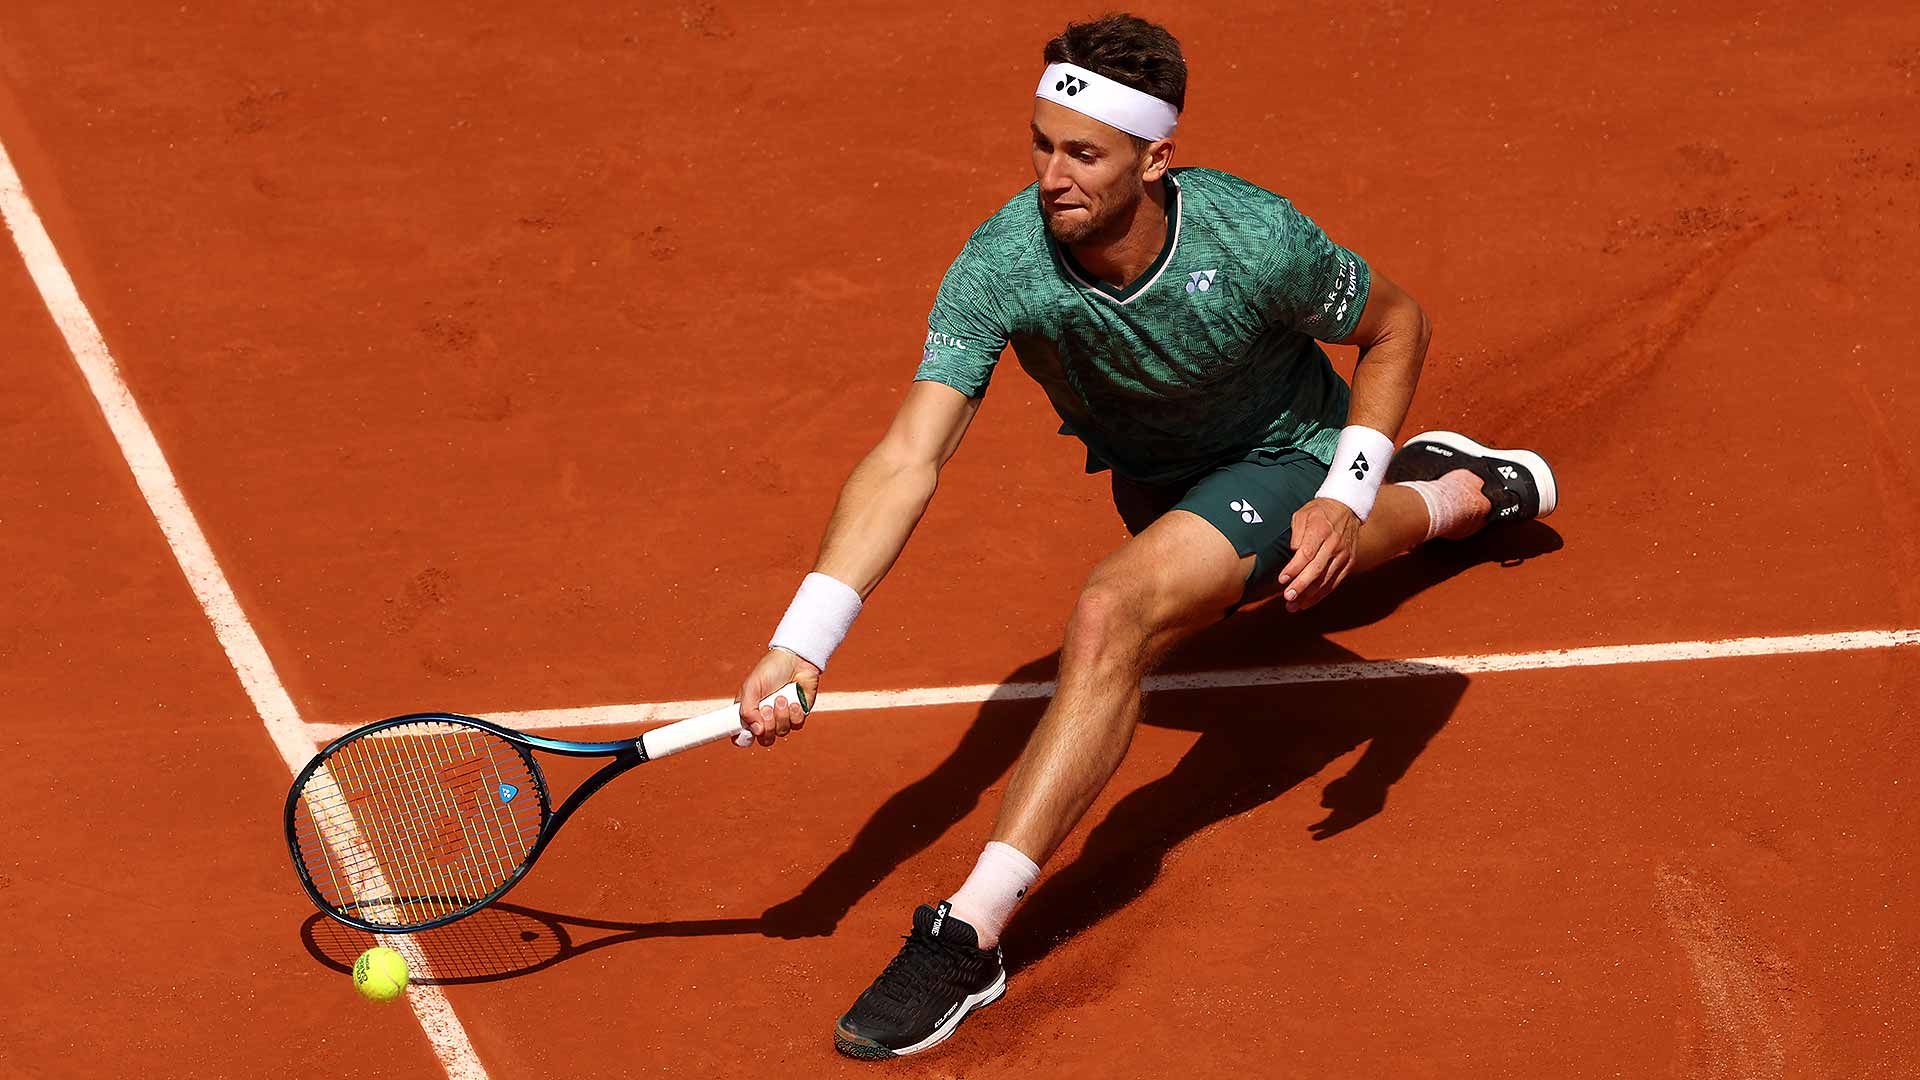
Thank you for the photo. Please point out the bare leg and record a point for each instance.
(1397, 525)
(1176, 577)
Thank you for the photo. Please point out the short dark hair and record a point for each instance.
(1126, 49)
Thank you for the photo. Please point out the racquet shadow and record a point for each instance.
(1254, 745)
(500, 941)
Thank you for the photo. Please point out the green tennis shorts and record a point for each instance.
(1251, 502)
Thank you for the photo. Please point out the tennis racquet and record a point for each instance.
(420, 820)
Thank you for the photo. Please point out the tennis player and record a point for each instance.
(1173, 317)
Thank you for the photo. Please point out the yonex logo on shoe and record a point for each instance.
(1071, 84)
(1201, 280)
(1360, 467)
(1509, 472)
(939, 918)
(1246, 511)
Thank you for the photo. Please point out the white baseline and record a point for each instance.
(195, 556)
(1352, 671)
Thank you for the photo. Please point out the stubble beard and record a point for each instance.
(1104, 224)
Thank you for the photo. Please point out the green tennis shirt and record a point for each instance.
(1207, 356)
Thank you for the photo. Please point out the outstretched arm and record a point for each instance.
(879, 506)
(889, 490)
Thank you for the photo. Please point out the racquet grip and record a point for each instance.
(721, 723)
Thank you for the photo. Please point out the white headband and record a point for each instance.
(1112, 103)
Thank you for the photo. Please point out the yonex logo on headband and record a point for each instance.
(1115, 104)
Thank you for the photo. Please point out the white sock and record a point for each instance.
(1001, 877)
(1456, 507)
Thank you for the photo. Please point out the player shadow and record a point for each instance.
(501, 941)
(1255, 744)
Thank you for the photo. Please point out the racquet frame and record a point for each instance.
(627, 754)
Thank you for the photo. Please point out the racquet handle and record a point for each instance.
(721, 723)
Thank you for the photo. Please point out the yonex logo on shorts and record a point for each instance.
(1071, 84)
(1201, 280)
(1246, 511)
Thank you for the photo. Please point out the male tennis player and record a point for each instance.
(1171, 317)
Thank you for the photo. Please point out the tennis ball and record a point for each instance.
(380, 974)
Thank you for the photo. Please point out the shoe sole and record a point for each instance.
(1535, 464)
(867, 1050)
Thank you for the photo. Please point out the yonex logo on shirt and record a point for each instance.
(1246, 511)
(1345, 286)
(1137, 376)
(1071, 84)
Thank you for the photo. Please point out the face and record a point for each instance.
(1091, 175)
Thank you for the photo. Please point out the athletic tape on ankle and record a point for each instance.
(818, 619)
(1436, 511)
(1359, 465)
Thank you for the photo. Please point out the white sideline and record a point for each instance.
(1352, 671)
(195, 556)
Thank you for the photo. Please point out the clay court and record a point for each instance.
(506, 359)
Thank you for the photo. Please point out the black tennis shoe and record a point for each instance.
(932, 983)
(1517, 482)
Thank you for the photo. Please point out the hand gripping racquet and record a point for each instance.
(417, 821)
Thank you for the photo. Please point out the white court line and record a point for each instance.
(1352, 671)
(195, 556)
(295, 739)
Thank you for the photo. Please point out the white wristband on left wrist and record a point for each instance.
(1359, 467)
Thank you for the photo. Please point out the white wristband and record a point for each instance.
(818, 619)
(1359, 465)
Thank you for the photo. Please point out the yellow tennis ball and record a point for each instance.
(380, 974)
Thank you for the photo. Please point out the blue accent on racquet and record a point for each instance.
(391, 830)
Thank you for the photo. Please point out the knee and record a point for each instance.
(1109, 623)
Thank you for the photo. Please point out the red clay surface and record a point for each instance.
(146, 920)
(511, 359)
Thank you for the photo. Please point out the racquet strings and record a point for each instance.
(410, 824)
